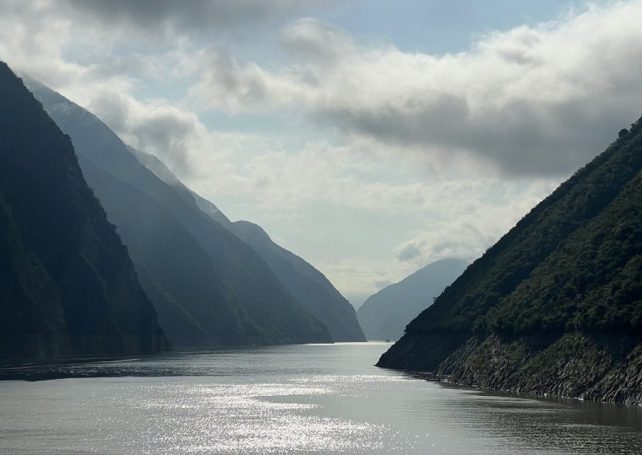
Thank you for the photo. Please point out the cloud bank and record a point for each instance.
(532, 100)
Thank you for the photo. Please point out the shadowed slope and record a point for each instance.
(67, 285)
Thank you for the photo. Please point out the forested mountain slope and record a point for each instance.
(554, 307)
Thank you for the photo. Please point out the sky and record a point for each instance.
(371, 137)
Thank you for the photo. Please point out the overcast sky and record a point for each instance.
(370, 137)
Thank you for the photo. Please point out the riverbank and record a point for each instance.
(604, 368)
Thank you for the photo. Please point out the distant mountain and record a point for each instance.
(554, 307)
(305, 283)
(67, 285)
(308, 286)
(384, 315)
(208, 286)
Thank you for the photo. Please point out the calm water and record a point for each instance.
(292, 399)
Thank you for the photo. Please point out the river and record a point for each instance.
(325, 399)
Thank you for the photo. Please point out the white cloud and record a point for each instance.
(532, 100)
(230, 86)
(470, 216)
(308, 38)
(367, 217)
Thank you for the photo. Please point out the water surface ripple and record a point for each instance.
(318, 399)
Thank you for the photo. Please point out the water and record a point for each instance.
(325, 399)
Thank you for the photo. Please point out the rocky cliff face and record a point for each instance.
(67, 284)
(576, 365)
(555, 307)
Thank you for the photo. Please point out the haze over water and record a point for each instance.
(292, 399)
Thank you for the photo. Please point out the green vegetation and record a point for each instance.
(572, 263)
(566, 281)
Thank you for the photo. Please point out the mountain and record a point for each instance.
(162, 172)
(67, 284)
(208, 286)
(554, 307)
(385, 314)
(306, 284)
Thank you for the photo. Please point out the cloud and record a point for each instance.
(409, 252)
(363, 215)
(468, 216)
(230, 86)
(42, 39)
(31, 36)
(185, 16)
(538, 100)
(311, 39)
(155, 127)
